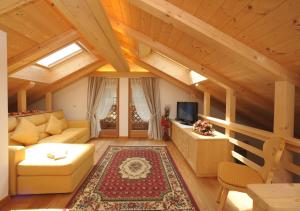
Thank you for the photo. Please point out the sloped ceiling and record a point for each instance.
(269, 27)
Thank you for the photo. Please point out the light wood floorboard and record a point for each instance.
(204, 190)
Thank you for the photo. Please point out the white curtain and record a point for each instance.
(151, 92)
(101, 95)
(94, 95)
(139, 100)
(108, 98)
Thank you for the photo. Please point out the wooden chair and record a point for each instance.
(233, 176)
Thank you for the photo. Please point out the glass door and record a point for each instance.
(110, 124)
(138, 127)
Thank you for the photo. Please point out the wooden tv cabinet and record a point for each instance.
(203, 153)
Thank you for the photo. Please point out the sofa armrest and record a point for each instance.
(16, 155)
(79, 123)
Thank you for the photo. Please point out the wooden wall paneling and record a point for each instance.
(284, 112)
(207, 9)
(226, 12)
(8, 5)
(283, 14)
(211, 74)
(165, 31)
(186, 46)
(216, 38)
(174, 37)
(155, 28)
(39, 27)
(89, 18)
(145, 22)
(281, 44)
(17, 43)
(248, 16)
(125, 10)
(32, 55)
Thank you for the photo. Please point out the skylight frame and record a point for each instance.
(196, 77)
(65, 56)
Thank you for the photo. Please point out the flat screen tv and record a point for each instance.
(187, 112)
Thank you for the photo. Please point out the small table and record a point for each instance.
(275, 197)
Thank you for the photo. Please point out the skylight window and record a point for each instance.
(196, 77)
(60, 55)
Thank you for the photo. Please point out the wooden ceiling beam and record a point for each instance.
(67, 80)
(209, 73)
(90, 19)
(161, 74)
(9, 5)
(30, 56)
(26, 86)
(134, 59)
(242, 108)
(205, 32)
(122, 74)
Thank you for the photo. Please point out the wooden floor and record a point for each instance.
(204, 190)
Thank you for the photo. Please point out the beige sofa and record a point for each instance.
(31, 172)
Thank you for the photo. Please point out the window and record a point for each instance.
(60, 55)
(196, 77)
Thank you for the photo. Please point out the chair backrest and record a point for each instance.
(272, 151)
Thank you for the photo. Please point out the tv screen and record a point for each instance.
(187, 112)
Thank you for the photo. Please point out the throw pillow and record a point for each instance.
(42, 131)
(64, 124)
(26, 133)
(54, 126)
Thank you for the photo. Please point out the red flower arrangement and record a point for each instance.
(203, 128)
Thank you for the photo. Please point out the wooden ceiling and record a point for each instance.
(269, 29)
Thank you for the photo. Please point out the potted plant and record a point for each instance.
(165, 123)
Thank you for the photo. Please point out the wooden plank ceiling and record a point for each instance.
(270, 28)
(258, 24)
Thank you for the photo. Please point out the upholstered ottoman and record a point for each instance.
(38, 174)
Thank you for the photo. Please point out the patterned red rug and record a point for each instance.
(134, 178)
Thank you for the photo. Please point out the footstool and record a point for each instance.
(38, 174)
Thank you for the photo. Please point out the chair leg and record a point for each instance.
(220, 191)
(223, 199)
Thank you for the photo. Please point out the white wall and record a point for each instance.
(73, 100)
(170, 95)
(3, 119)
(123, 106)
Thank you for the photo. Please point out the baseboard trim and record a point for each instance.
(4, 201)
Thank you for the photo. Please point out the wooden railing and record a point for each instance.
(292, 144)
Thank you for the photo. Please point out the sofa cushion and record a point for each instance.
(37, 119)
(64, 124)
(69, 135)
(12, 123)
(42, 131)
(54, 126)
(26, 133)
(37, 162)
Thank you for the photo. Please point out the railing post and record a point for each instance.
(206, 104)
(22, 100)
(230, 109)
(48, 101)
(284, 110)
